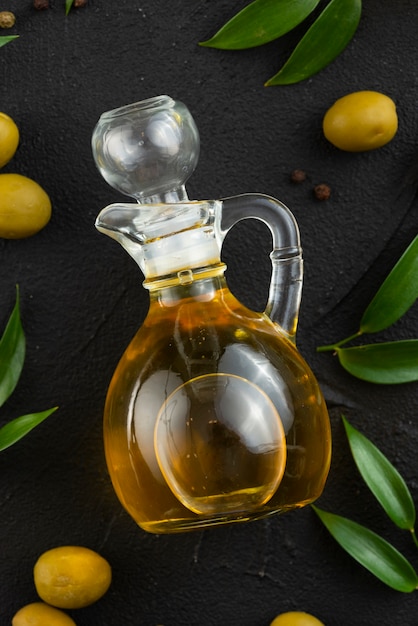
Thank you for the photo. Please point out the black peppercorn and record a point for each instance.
(40, 5)
(298, 176)
(322, 191)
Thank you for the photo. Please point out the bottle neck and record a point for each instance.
(198, 283)
(180, 257)
(177, 195)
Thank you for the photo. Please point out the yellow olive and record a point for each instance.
(71, 577)
(296, 618)
(361, 121)
(9, 138)
(25, 208)
(40, 614)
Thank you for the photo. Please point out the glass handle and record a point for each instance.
(286, 257)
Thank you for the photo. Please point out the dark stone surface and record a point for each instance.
(82, 300)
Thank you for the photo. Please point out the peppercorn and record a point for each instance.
(40, 5)
(298, 176)
(7, 19)
(322, 191)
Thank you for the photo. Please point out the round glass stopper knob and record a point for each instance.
(148, 149)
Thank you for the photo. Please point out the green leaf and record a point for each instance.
(68, 5)
(260, 22)
(323, 42)
(371, 551)
(12, 353)
(15, 430)
(388, 363)
(396, 295)
(7, 39)
(384, 480)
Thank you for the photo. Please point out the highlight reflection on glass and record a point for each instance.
(220, 444)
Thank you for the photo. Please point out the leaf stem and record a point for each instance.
(68, 5)
(335, 346)
(414, 536)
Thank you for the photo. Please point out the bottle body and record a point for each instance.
(212, 416)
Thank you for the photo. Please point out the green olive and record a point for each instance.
(296, 618)
(9, 138)
(40, 614)
(71, 577)
(25, 208)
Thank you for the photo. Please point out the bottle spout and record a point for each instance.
(165, 238)
(122, 223)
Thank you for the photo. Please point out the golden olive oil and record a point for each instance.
(212, 416)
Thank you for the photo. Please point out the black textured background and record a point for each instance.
(82, 300)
